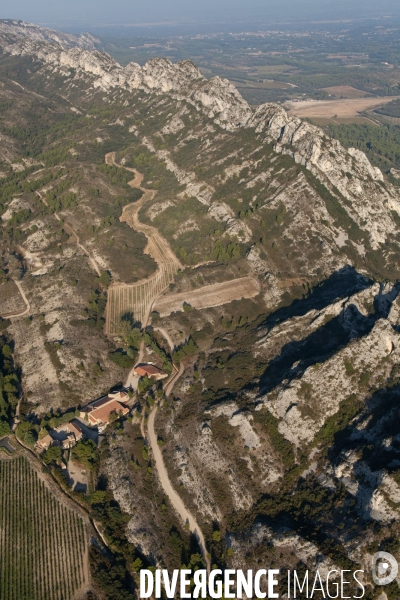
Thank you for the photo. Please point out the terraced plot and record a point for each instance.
(43, 542)
(137, 298)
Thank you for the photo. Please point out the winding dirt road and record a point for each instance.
(167, 337)
(174, 378)
(174, 498)
(26, 311)
(139, 297)
(125, 297)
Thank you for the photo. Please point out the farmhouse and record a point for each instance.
(66, 436)
(45, 443)
(150, 371)
(100, 412)
(76, 430)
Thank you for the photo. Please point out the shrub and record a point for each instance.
(52, 455)
(122, 359)
(4, 428)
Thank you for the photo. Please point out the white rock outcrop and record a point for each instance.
(303, 406)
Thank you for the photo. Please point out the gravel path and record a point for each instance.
(174, 498)
(28, 306)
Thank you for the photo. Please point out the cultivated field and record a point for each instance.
(345, 108)
(139, 297)
(136, 298)
(43, 543)
(347, 91)
(209, 295)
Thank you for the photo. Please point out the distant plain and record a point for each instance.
(341, 110)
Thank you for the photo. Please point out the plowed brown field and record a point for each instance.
(209, 295)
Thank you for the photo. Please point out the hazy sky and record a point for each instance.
(96, 12)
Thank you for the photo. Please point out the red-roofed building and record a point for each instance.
(120, 396)
(99, 413)
(150, 371)
(66, 436)
(45, 443)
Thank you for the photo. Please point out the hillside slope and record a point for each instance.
(281, 435)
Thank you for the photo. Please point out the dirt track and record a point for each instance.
(209, 295)
(139, 297)
(174, 498)
(19, 313)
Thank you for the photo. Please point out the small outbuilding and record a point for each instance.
(150, 371)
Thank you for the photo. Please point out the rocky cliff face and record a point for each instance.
(347, 171)
(314, 444)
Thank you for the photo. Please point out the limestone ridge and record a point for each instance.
(12, 31)
(346, 173)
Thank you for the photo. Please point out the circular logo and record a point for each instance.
(384, 568)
